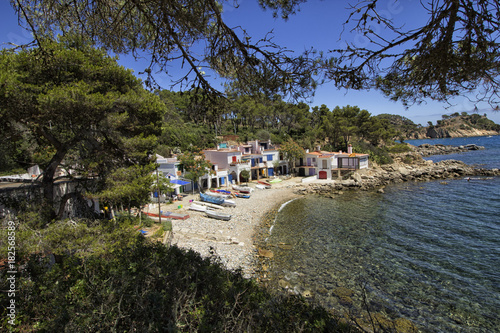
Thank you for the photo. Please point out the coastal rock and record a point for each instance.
(266, 253)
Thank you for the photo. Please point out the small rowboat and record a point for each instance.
(242, 189)
(263, 183)
(199, 208)
(211, 198)
(218, 215)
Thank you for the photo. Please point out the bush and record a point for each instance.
(132, 284)
(399, 148)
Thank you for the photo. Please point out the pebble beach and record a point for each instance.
(232, 241)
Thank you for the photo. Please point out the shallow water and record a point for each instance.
(428, 251)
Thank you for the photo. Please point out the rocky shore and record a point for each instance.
(234, 241)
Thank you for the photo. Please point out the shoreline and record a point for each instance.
(236, 242)
(233, 241)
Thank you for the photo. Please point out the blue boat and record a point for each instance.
(212, 199)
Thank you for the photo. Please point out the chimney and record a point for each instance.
(349, 149)
(318, 148)
(307, 151)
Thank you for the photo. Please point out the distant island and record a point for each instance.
(455, 125)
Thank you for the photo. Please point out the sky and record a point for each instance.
(317, 25)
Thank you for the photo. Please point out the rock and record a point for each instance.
(266, 253)
(284, 284)
(307, 294)
(403, 325)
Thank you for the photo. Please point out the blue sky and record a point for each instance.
(318, 25)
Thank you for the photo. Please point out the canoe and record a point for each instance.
(263, 183)
(218, 215)
(211, 198)
(242, 189)
(199, 208)
(242, 195)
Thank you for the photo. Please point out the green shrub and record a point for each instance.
(399, 148)
(132, 284)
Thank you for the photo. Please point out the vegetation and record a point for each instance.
(67, 105)
(108, 277)
(452, 51)
(77, 110)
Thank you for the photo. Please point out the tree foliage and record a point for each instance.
(87, 114)
(195, 165)
(171, 31)
(291, 152)
(456, 51)
(453, 51)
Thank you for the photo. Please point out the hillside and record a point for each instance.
(452, 126)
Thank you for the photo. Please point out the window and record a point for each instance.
(269, 157)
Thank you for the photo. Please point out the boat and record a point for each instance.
(211, 198)
(209, 205)
(219, 195)
(218, 215)
(163, 215)
(222, 191)
(275, 180)
(242, 195)
(199, 208)
(228, 202)
(242, 189)
(262, 187)
(263, 183)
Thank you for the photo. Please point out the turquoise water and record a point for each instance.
(427, 251)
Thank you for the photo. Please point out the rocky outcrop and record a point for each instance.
(433, 132)
(438, 149)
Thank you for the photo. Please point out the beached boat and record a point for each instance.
(222, 191)
(208, 204)
(242, 189)
(275, 180)
(228, 202)
(262, 187)
(263, 183)
(218, 215)
(167, 215)
(211, 198)
(219, 194)
(242, 195)
(199, 208)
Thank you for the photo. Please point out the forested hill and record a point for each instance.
(450, 126)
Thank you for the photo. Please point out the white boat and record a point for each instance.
(208, 204)
(262, 187)
(229, 203)
(199, 208)
(219, 195)
(242, 189)
(218, 215)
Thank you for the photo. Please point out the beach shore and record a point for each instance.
(232, 241)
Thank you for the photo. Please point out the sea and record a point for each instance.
(428, 251)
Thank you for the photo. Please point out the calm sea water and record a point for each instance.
(426, 251)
